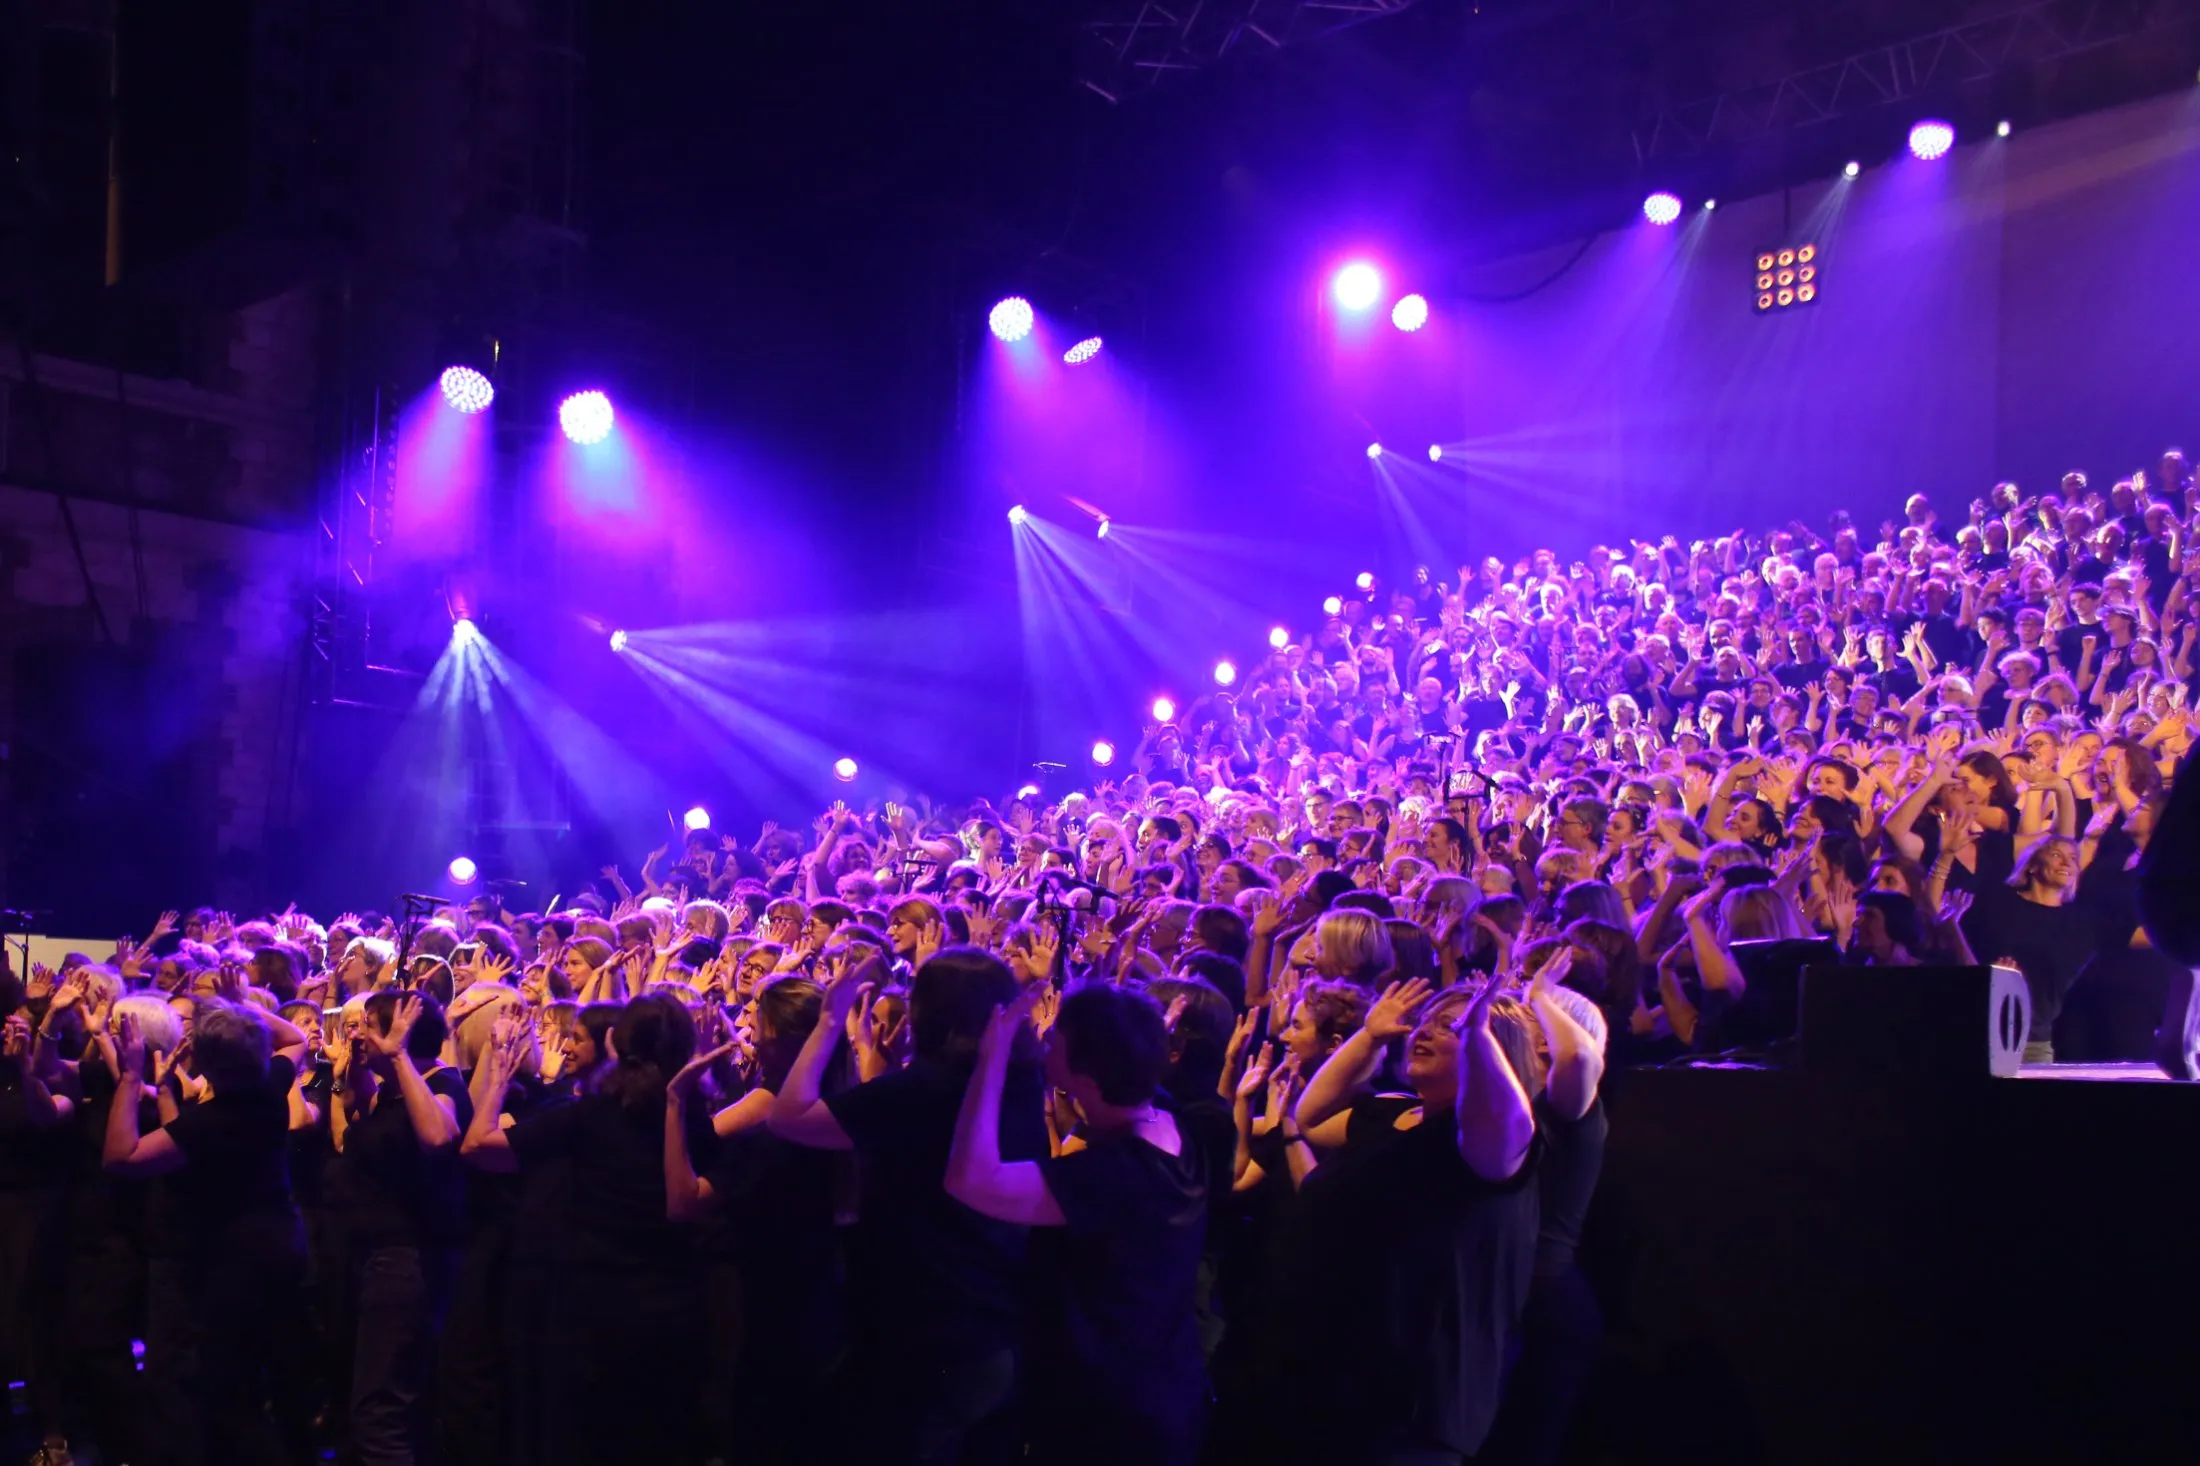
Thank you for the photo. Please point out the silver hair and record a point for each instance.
(156, 1020)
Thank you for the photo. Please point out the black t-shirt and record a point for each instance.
(493, 1199)
(234, 1189)
(1209, 1120)
(927, 1273)
(2049, 943)
(1573, 1159)
(611, 1159)
(1403, 1274)
(1129, 1270)
(395, 1193)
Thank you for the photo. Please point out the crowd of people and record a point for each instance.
(1244, 1109)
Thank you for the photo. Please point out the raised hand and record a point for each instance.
(1392, 1014)
(1256, 1076)
(391, 1044)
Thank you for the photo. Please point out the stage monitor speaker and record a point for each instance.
(1915, 1020)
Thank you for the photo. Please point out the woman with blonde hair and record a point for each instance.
(1352, 946)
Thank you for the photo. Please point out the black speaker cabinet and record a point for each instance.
(1914, 1020)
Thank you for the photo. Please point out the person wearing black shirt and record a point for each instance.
(2031, 923)
(1120, 1378)
(396, 1127)
(1406, 1266)
(615, 1367)
(227, 1293)
(936, 1290)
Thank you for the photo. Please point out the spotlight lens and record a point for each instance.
(1357, 285)
(1164, 711)
(463, 630)
(1661, 208)
(844, 769)
(1029, 791)
(1710, 204)
(463, 870)
(1410, 314)
(466, 389)
(1103, 753)
(1104, 527)
(1279, 638)
(2001, 129)
(1011, 319)
(1436, 453)
(586, 417)
(1365, 580)
(1932, 139)
(1852, 169)
(697, 818)
(1374, 450)
(618, 641)
(1083, 351)
(1016, 514)
(1225, 673)
(1333, 606)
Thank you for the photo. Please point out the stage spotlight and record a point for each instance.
(1225, 673)
(1661, 208)
(1333, 606)
(1365, 580)
(464, 632)
(1017, 514)
(1357, 286)
(586, 417)
(618, 641)
(1709, 205)
(466, 389)
(2002, 128)
(844, 769)
(1278, 638)
(463, 870)
(1164, 710)
(1374, 450)
(1103, 753)
(1931, 139)
(697, 818)
(1436, 453)
(1083, 351)
(1011, 319)
(1102, 532)
(1029, 791)
(1410, 314)
(1851, 169)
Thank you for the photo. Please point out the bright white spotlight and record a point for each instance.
(1357, 286)
(1083, 351)
(844, 769)
(1365, 580)
(1932, 139)
(1225, 673)
(1278, 637)
(1334, 606)
(463, 870)
(466, 389)
(1710, 204)
(1374, 450)
(618, 641)
(697, 818)
(1164, 711)
(1661, 208)
(586, 417)
(1017, 514)
(1103, 530)
(1103, 753)
(1436, 453)
(1029, 791)
(1410, 313)
(1851, 169)
(2002, 128)
(1011, 319)
(464, 632)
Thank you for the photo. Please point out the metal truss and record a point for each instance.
(2014, 38)
(1137, 43)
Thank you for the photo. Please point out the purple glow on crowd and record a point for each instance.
(586, 417)
(1011, 320)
